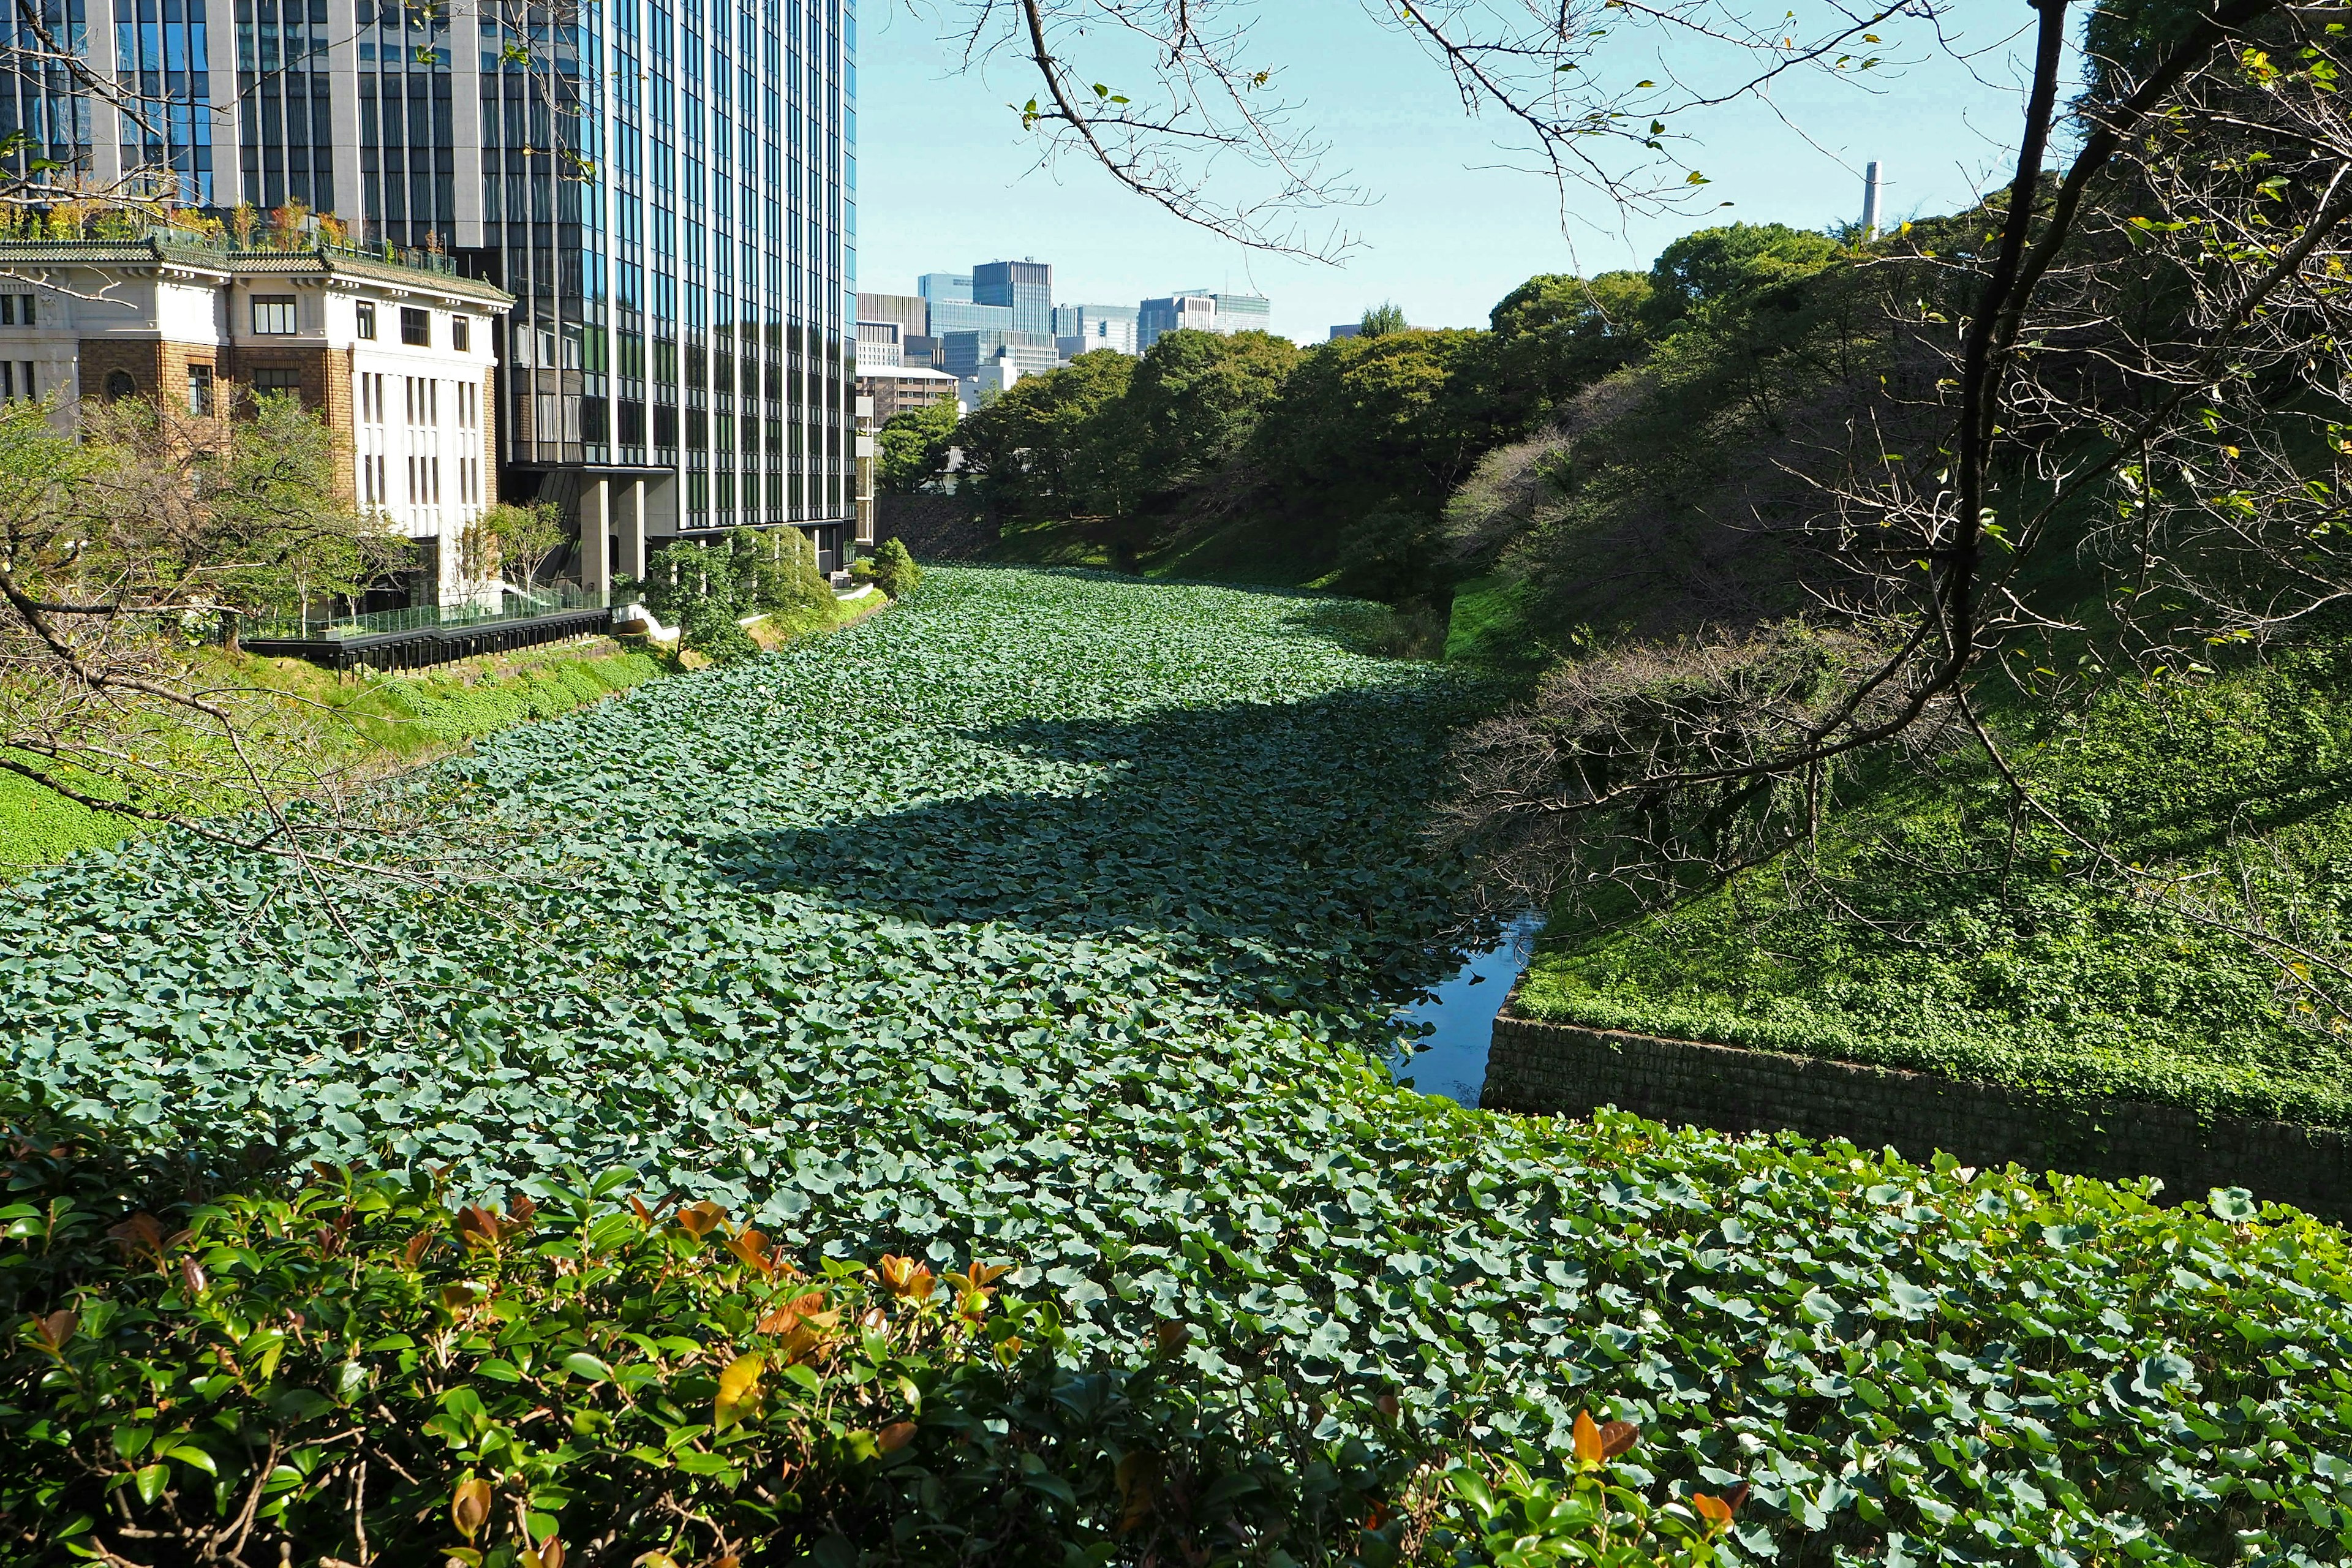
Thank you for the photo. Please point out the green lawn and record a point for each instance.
(1055, 919)
(1931, 937)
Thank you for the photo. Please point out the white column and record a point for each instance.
(596, 535)
(632, 529)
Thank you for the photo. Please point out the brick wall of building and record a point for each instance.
(1560, 1069)
(325, 385)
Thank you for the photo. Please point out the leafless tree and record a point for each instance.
(120, 551)
(1172, 99)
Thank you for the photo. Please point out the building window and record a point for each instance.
(367, 321)
(417, 328)
(15, 310)
(200, 390)
(273, 315)
(277, 380)
(119, 384)
(17, 380)
(461, 334)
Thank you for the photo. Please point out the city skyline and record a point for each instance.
(1456, 221)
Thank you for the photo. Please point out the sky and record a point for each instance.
(947, 177)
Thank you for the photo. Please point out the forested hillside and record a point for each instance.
(2046, 787)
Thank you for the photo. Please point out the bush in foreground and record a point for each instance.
(352, 1371)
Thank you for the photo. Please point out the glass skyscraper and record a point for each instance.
(667, 187)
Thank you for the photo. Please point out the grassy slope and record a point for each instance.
(362, 721)
(1042, 921)
(1932, 939)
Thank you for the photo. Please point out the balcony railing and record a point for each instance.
(514, 604)
(169, 237)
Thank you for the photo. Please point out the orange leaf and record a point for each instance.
(905, 1277)
(698, 1220)
(416, 1245)
(1713, 1510)
(141, 1234)
(470, 1508)
(752, 1248)
(55, 1329)
(895, 1437)
(1616, 1436)
(1169, 1337)
(1588, 1440)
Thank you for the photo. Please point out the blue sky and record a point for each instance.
(947, 177)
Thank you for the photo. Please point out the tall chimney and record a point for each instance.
(1870, 200)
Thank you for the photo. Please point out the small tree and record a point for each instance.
(895, 571)
(118, 551)
(1382, 320)
(526, 534)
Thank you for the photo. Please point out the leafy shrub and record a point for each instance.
(751, 572)
(710, 630)
(354, 1365)
(894, 569)
(1059, 919)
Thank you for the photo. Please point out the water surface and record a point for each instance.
(1451, 1059)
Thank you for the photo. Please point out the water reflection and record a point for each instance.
(1451, 1059)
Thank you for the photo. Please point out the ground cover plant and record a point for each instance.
(1057, 921)
(355, 1370)
(1937, 928)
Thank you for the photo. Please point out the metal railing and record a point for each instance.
(514, 604)
(187, 239)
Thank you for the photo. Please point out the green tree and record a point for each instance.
(525, 534)
(1716, 265)
(1368, 437)
(1556, 333)
(1194, 403)
(912, 450)
(1380, 320)
(1047, 446)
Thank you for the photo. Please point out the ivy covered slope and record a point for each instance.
(1044, 918)
(1940, 931)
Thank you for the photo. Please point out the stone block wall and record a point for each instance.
(1560, 1069)
(934, 528)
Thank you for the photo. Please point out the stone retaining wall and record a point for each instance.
(1562, 1069)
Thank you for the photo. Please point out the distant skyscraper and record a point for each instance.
(944, 288)
(1083, 329)
(664, 185)
(1025, 287)
(962, 354)
(964, 315)
(1197, 310)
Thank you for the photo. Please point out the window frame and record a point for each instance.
(204, 395)
(416, 328)
(280, 307)
(461, 333)
(365, 326)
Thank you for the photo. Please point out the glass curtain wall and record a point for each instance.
(284, 105)
(43, 100)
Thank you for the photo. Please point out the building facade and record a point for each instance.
(960, 355)
(1083, 329)
(879, 345)
(398, 357)
(1198, 309)
(893, 392)
(1023, 288)
(665, 187)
